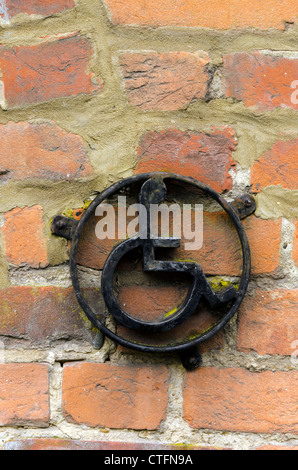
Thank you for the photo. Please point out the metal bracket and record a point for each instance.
(64, 226)
(191, 358)
(244, 205)
(153, 191)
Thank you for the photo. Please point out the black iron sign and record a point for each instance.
(153, 190)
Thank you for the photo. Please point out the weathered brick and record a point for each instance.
(25, 239)
(205, 157)
(221, 251)
(37, 7)
(219, 255)
(268, 322)
(41, 151)
(115, 396)
(93, 252)
(66, 444)
(24, 391)
(150, 303)
(165, 81)
(235, 399)
(43, 315)
(215, 14)
(278, 166)
(259, 79)
(53, 69)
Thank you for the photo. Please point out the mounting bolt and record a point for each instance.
(63, 226)
(191, 359)
(245, 205)
(60, 224)
(247, 202)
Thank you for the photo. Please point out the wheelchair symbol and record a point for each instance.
(153, 190)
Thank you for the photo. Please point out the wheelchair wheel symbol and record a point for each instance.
(153, 190)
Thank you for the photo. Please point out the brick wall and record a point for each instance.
(94, 91)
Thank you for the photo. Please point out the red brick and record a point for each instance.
(150, 303)
(260, 80)
(219, 237)
(25, 240)
(66, 444)
(235, 399)
(115, 396)
(268, 322)
(93, 252)
(37, 7)
(24, 391)
(278, 166)
(295, 245)
(57, 69)
(221, 251)
(205, 157)
(43, 315)
(215, 14)
(165, 81)
(41, 151)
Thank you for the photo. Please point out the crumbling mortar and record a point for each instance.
(214, 86)
(217, 439)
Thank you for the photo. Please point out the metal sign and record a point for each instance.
(153, 190)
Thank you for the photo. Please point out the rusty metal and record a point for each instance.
(244, 205)
(64, 226)
(153, 191)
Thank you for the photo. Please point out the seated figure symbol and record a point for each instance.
(154, 191)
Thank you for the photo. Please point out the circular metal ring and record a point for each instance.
(244, 280)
